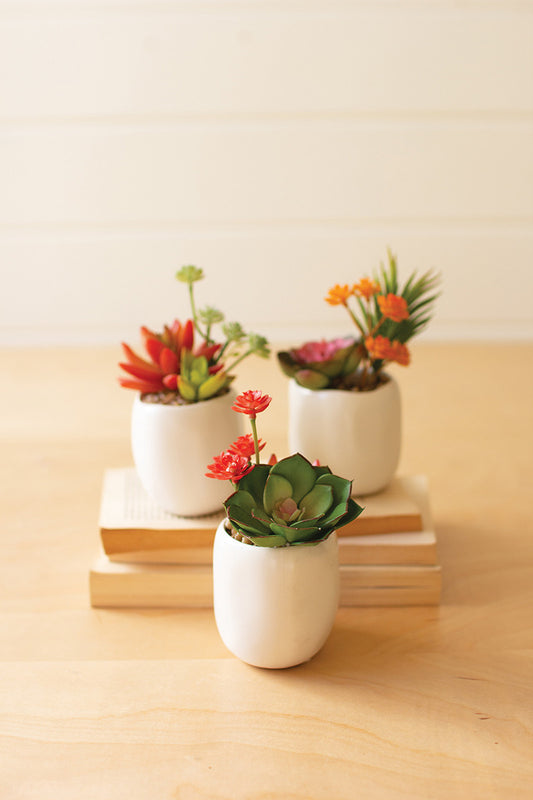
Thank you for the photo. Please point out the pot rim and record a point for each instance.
(347, 392)
(286, 548)
(186, 408)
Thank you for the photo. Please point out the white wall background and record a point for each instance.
(281, 145)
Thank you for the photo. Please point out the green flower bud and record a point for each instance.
(259, 345)
(210, 315)
(189, 274)
(233, 331)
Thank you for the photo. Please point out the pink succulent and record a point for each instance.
(318, 352)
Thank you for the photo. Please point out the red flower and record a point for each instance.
(251, 403)
(393, 307)
(229, 466)
(244, 446)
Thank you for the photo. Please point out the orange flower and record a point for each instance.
(400, 353)
(393, 307)
(366, 288)
(378, 347)
(338, 295)
(383, 349)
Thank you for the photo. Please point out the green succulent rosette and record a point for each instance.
(195, 382)
(291, 502)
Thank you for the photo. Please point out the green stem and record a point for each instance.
(238, 361)
(368, 314)
(256, 441)
(354, 318)
(194, 314)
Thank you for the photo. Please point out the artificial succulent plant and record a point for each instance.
(320, 365)
(291, 502)
(176, 367)
(287, 502)
(385, 314)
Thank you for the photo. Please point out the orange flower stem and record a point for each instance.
(356, 321)
(256, 441)
(377, 326)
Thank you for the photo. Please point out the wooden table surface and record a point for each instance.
(400, 703)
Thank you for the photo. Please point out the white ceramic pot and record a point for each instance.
(172, 447)
(274, 606)
(356, 434)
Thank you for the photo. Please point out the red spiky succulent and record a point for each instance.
(165, 350)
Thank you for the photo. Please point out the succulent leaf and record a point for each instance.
(212, 385)
(299, 472)
(287, 363)
(268, 541)
(243, 521)
(186, 389)
(317, 502)
(311, 379)
(341, 487)
(352, 512)
(242, 500)
(254, 483)
(277, 488)
(260, 516)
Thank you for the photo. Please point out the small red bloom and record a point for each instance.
(251, 403)
(393, 307)
(244, 446)
(229, 466)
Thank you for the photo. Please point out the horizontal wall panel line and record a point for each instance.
(148, 121)
(487, 226)
(267, 281)
(18, 8)
(456, 331)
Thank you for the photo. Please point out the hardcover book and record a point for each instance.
(134, 529)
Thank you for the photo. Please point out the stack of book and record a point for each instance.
(152, 559)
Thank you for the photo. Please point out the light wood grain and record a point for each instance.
(418, 702)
